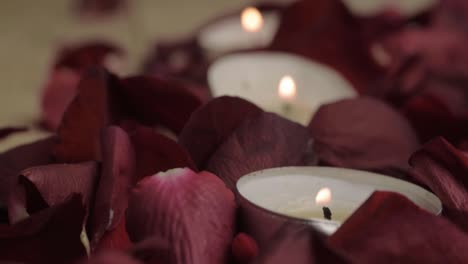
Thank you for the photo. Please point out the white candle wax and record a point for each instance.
(228, 34)
(291, 191)
(255, 76)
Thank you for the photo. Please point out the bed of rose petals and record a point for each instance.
(143, 169)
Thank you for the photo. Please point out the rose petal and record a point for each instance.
(325, 31)
(52, 184)
(262, 142)
(154, 101)
(155, 152)
(443, 169)
(194, 213)
(50, 236)
(117, 175)
(116, 239)
(111, 257)
(6, 131)
(244, 248)
(212, 124)
(363, 133)
(20, 158)
(154, 250)
(389, 228)
(299, 244)
(85, 117)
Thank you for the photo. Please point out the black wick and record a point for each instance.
(327, 214)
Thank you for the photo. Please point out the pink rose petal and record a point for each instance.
(261, 142)
(194, 213)
(388, 228)
(51, 236)
(212, 124)
(117, 176)
(363, 133)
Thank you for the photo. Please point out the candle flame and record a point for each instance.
(251, 19)
(287, 88)
(323, 197)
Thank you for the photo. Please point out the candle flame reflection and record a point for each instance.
(323, 197)
(251, 19)
(287, 88)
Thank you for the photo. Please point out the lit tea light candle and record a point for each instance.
(286, 84)
(250, 30)
(310, 195)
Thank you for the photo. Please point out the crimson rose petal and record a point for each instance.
(212, 124)
(51, 236)
(363, 133)
(156, 152)
(53, 183)
(20, 158)
(388, 228)
(154, 101)
(326, 31)
(443, 169)
(117, 175)
(261, 142)
(84, 118)
(194, 213)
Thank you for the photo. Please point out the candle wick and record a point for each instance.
(327, 214)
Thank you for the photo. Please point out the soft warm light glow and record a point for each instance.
(287, 88)
(251, 19)
(323, 197)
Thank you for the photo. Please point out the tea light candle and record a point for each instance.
(250, 30)
(286, 84)
(302, 193)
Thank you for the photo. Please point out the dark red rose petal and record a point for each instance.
(115, 239)
(194, 213)
(53, 183)
(117, 176)
(443, 168)
(299, 244)
(84, 118)
(212, 124)
(261, 142)
(6, 131)
(156, 152)
(51, 236)
(20, 158)
(363, 133)
(111, 257)
(326, 32)
(388, 228)
(153, 101)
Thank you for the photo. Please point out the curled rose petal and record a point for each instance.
(20, 158)
(117, 175)
(388, 228)
(212, 124)
(111, 257)
(244, 248)
(84, 118)
(261, 142)
(154, 101)
(443, 168)
(50, 236)
(325, 31)
(194, 213)
(156, 152)
(6, 131)
(363, 133)
(52, 184)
